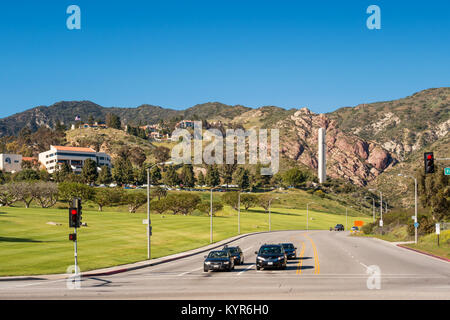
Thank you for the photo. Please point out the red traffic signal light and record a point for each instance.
(73, 236)
(429, 162)
(74, 217)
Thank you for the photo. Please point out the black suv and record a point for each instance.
(236, 253)
(291, 251)
(218, 260)
(339, 227)
(271, 256)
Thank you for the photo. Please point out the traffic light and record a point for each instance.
(429, 162)
(77, 205)
(73, 236)
(74, 218)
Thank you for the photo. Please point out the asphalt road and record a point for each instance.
(330, 265)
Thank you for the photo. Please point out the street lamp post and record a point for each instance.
(381, 208)
(415, 203)
(149, 227)
(307, 213)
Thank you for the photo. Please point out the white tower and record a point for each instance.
(321, 168)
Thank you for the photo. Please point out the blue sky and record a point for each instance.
(176, 54)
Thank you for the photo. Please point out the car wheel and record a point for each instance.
(205, 270)
(258, 267)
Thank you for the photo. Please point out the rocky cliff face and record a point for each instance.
(348, 156)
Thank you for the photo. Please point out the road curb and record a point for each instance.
(423, 252)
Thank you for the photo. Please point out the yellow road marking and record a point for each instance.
(300, 262)
(316, 255)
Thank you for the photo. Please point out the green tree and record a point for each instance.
(159, 206)
(259, 180)
(105, 177)
(294, 177)
(226, 173)
(22, 191)
(248, 200)
(113, 121)
(205, 206)
(107, 197)
(171, 177)
(122, 171)
(89, 171)
(265, 201)
(201, 179)
(134, 200)
(45, 193)
(241, 178)
(231, 199)
(62, 172)
(434, 190)
(69, 190)
(26, 175)
(212, 178)
(155, 175)
(183, 203)
(187, 176)
(159, 192)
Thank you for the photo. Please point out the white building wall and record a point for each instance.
(10, 162)
(50, 159)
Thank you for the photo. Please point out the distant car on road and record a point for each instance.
(218, 260)
(355, 228)
(290, 249)
(236, 253)
(271, 256)
(339, 227)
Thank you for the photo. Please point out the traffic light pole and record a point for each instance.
(76, 252)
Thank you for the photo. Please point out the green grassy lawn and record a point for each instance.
(428, 244)
(28, 245)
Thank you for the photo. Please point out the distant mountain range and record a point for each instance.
(364, 141)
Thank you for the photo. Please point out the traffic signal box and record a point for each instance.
(75, 214)
(74, 217)
(429, 162)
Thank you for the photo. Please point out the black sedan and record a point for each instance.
(291, 251)
(236, 253)
(271, 256)
(218, 260)
(339, 227)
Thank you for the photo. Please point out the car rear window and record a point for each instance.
(288, 245)
(270, 250)
(218, 254)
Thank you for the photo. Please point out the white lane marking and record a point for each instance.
(182, 274)
(35, 284)
(246, 269)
